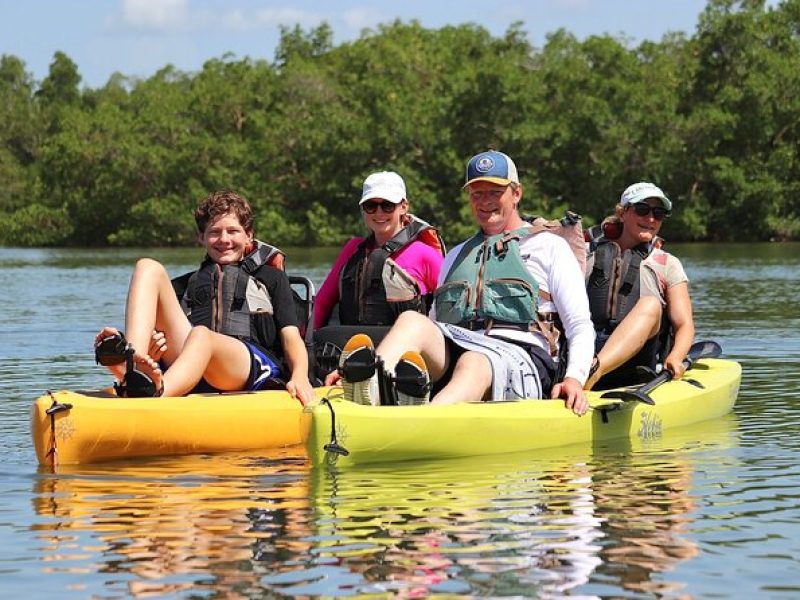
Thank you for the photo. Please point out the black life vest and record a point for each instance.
(229, 298)
(612, 286)
(362, 290)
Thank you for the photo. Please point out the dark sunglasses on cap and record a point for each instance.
(643, 209)
(370, 207)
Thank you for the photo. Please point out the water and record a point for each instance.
(706, 511)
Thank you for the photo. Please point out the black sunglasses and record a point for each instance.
(643, 209)
(371, 208)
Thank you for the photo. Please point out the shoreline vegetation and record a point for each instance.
(712, 118)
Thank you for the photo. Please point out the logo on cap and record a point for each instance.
(484, 164)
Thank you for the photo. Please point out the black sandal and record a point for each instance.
(136, 384)
(112, 350)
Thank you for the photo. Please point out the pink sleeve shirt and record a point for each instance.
(423, 263)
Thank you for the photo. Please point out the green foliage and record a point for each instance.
(35, 225)
(271, 225)
(157, 222)
(714, 119)
(61, 84)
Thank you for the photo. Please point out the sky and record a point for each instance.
(139, 37)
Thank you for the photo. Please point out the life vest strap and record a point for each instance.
(549, 325)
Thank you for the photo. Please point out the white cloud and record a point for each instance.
(361, 18)
(179, 15)
(287, 16)
(155, 14)
(235, 20)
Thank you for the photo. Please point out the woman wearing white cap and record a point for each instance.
(638, 293)
(393, 269)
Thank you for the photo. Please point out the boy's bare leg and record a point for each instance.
(223, 361)
(153, 305)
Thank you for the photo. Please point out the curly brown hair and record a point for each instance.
(218, 204)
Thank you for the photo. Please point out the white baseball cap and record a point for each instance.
(639, 192)
(386, 185)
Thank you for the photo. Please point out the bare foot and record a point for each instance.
(149, 367)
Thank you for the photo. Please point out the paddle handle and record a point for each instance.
(705, 349)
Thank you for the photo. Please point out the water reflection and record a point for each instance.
(541, 524)
(161, 527)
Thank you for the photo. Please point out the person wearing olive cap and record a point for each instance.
(638, 293)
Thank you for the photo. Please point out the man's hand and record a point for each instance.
(572, 392)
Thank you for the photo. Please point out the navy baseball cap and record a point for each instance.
(492, 166)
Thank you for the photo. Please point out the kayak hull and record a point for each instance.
(373, 434)
(89, 427)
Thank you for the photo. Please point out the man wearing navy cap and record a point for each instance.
(503, 296)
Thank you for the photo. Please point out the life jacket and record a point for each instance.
(373, 288)
(489, 285)
(229, 298)
(613, 286)
(568, 227)
(614, 289)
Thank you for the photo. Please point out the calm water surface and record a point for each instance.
(706, 512)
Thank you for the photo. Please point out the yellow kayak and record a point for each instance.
(83, 427)
(371, 434)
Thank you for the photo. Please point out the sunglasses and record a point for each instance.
(643, 209)
(371, 208)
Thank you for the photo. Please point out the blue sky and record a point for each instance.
(138, 37)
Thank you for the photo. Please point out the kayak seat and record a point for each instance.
(304, 294)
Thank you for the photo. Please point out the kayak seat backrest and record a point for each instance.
(304, 293)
